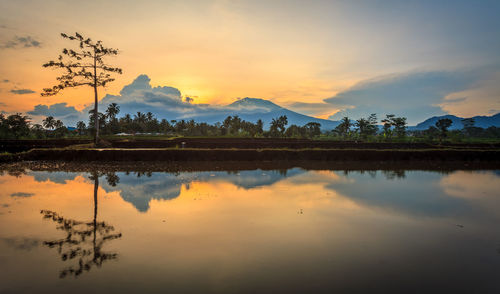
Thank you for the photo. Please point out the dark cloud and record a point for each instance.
(58, 109)
(414, 95)
(68, 114)
(22, 91)
(5, 81)
(21, 194)
(22, 42)
(22, 243)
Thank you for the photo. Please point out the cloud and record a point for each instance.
(5, 81)
(165, 102)
(22, 42)
(21, 194)
(415, 95)
(168, 103)
(314, 109)
(58, 109)
(68, 114)
(22, 91)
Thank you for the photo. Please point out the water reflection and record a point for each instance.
(84, 240)
(249, 231)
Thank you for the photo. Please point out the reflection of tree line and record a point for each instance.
(389, 174)
(84, 240)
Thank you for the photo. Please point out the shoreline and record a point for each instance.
(213, 159)
(21, 167)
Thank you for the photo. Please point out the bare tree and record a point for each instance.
(84, 66)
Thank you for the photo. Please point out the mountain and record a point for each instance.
(480, 121)
(253, 109)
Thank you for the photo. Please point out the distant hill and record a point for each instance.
(253, 109)
(480, 121)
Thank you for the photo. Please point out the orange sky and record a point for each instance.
(217, 51)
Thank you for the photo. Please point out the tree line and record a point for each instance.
(390, 128)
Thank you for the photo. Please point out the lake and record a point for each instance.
(250, 231)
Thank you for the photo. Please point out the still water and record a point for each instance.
(253, 231)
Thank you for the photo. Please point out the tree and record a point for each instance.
(367, 126)
(18, 125)
(344, 127)
(469, 126)
(100, 124)
(58, 124)
(399, 124)
(80, 126)
(278, 126)
(388, 124)
(312, 129)
(443, 125)
(112, 110)
(38, 131)
(259, 127)
(83, 67)
(49, 122)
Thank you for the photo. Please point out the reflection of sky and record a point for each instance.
(409, 192)
(282, 233)
(141, 189)
(418, 193)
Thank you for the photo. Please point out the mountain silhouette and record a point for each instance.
(480, 121)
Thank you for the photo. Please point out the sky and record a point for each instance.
(326, 59)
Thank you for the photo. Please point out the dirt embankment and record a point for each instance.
(82, 155)
(15, 146)
(394, 167)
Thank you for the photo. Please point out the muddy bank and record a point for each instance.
(88, 155)
(21, 167)
(14, 146)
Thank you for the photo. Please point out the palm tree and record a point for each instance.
(58, 124)
(140, 117)
(112, 111)
(49, 122)
(344, 127)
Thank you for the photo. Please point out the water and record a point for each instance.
(254, 231)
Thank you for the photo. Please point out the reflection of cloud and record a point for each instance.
(464, 184)
(418, 193)
(19, 243)
(164, 186)
(55, 177)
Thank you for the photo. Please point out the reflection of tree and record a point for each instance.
(394, 174)
(84, 240)
(389, 174)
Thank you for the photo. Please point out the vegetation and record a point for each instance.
(83, 67)
(390, 129)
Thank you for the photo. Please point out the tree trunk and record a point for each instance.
(96, 187)
(96, 112)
